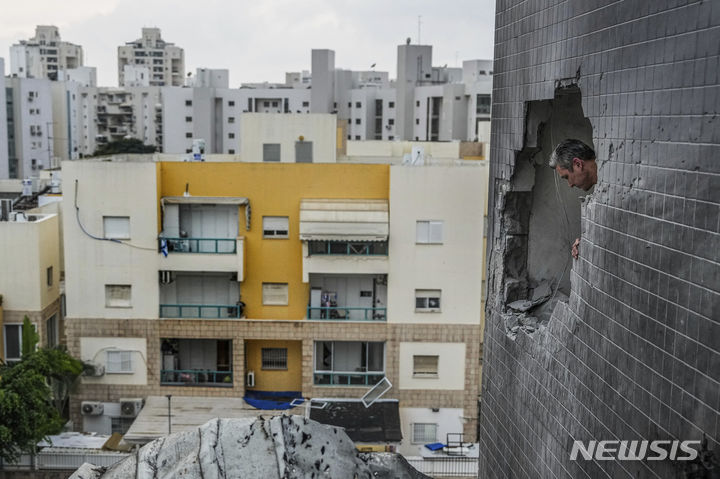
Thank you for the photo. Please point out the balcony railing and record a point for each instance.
(347, 378)
(198, 245)
(348, 248)
(340, 313)
(210, 311)
(196, 377)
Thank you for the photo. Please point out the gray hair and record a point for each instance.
(564, 153)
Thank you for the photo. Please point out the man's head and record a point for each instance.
(575, 161)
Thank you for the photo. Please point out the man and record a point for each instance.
(575, 162)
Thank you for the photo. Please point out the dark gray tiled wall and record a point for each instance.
(635, 354)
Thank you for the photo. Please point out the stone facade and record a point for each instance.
(291, 330)
(634, 351)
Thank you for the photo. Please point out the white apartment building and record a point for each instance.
(29, 124)
(165, 62)
(44, 55)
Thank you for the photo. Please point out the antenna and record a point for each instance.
(419, 23)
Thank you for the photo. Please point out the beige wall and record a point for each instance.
(378, 148)
(28, 249)
(456, 195)
(90, 264)
(259, 128)
(451, 366)
(94, 350)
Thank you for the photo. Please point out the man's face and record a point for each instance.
(578, 176)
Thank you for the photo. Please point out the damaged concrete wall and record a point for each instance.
(623, 343)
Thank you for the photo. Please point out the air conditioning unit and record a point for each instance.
(93, 370)
(91, 408)
(130, 407)
(250, 379)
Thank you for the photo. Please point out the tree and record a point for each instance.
(126, 145)
(29, 411)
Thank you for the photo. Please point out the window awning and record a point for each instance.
(209, 200)
(343, 220)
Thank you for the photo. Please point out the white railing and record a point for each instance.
(63, 460)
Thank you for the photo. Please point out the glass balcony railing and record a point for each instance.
(347, 378)
(196, 377)
(340, 313)
(198, 245)
(209, 311)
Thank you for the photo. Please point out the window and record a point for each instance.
(231, 103)
(357, 137)
(424, 433)
(117, 295)
(417, 103)
(391, 121)
(429, 232)
(231, 119)
(188, 135)
(188, 102)
(49, 275)
(274, 358)
(275, 294)
(271, 151)
(349, 363)
(275, 104)
(391, 104)
(391, 138)
(51, 328)
(425, 366)
(231, 151)
(116, 227)
(266, 103)
(13, 342)
(349, 104)
(483, 104)
(303, 152)
(275, 227)
(427, 300)
(417, 121)
(119, 362)
(358, 104)
(120, 425)
(231, 135)
(188, 119)
(357, 121)
(306, 103)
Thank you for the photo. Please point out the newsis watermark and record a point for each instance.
(659, 450)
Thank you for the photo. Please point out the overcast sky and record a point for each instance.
(260, 40)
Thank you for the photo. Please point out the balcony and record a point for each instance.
(351, 297)
(201, 234)
(348, 363)
(344, 236)
(196, 362)
(189, 294)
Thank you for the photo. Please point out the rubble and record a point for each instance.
(278, 447)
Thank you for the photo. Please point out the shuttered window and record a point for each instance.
(275, 294)
(429, 232)
(116, 227)
(275, 227)
(425, 366)
(118, 296)
(271, 151)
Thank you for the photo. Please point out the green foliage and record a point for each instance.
(30, 337)
(126, 145)
(29, 409)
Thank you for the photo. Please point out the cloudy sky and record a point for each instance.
(260, 40)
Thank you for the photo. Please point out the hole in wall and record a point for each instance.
(541, 214)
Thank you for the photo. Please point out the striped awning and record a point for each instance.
(343, 220)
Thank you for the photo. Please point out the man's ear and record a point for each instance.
(577, 162)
